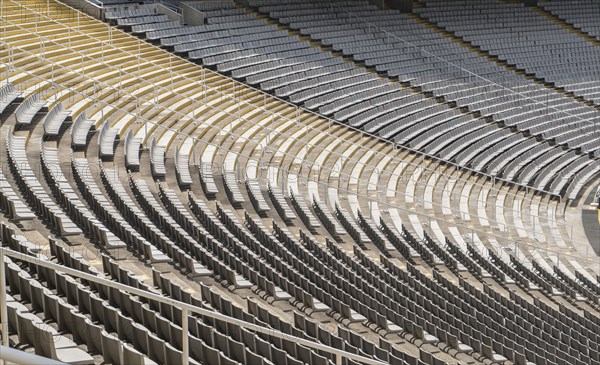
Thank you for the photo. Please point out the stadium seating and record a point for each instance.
(180, 181)
(539, 38)
(249, 48)
(578, 14)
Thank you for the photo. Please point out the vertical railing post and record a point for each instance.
(185, 348)
(3, 307)
(4, 24)
(338, 359)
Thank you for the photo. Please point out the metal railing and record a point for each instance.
(312, 168)
(186, 309)
(103, 85)
(93, 8)
(14, 356)
(299, 109)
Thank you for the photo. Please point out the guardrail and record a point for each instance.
(186, 309)
(88, 7)
(174, 14)
(191, 15)
(14, 356)
(299, 109)
(237, 86)
(312, 168)
(100, 87)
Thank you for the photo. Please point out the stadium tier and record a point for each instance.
(401, 187)
(445, 99)
(578, 16)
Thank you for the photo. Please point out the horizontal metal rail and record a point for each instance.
(186, 309)
(14, 356)
(313, 172)
(98, 87)
(494, 178)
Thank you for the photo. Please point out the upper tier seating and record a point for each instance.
(251, 49)
(543, 49)
(578, 13)
(423, 58)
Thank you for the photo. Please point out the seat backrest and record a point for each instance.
(164, 330)
(211, 355)
(252, 358)
(173, 356)
(37, 296)
(132, 357)
(13, 308)
(279, 356)
(141, 338)
(157, 349)
(487, 351)
(196, 348)
(113, 350)
(91, 333)
(519, 359)
(25, 327)
(65, 316)
(45, 340)
(426, 357)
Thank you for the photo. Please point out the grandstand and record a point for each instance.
(300, 182)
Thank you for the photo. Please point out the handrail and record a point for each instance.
(93, 7)
(186, 309)
(320, 168)
(360, 131)
(174, 8)
(180, 133)
(97, 3)
(449, 63)
(312, 168)
(14, 356)
(103, 85)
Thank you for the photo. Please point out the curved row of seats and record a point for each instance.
(579, 14)
(492, 26)
(318, 162)
(406, 45)
(105, 205)
(250, 48)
